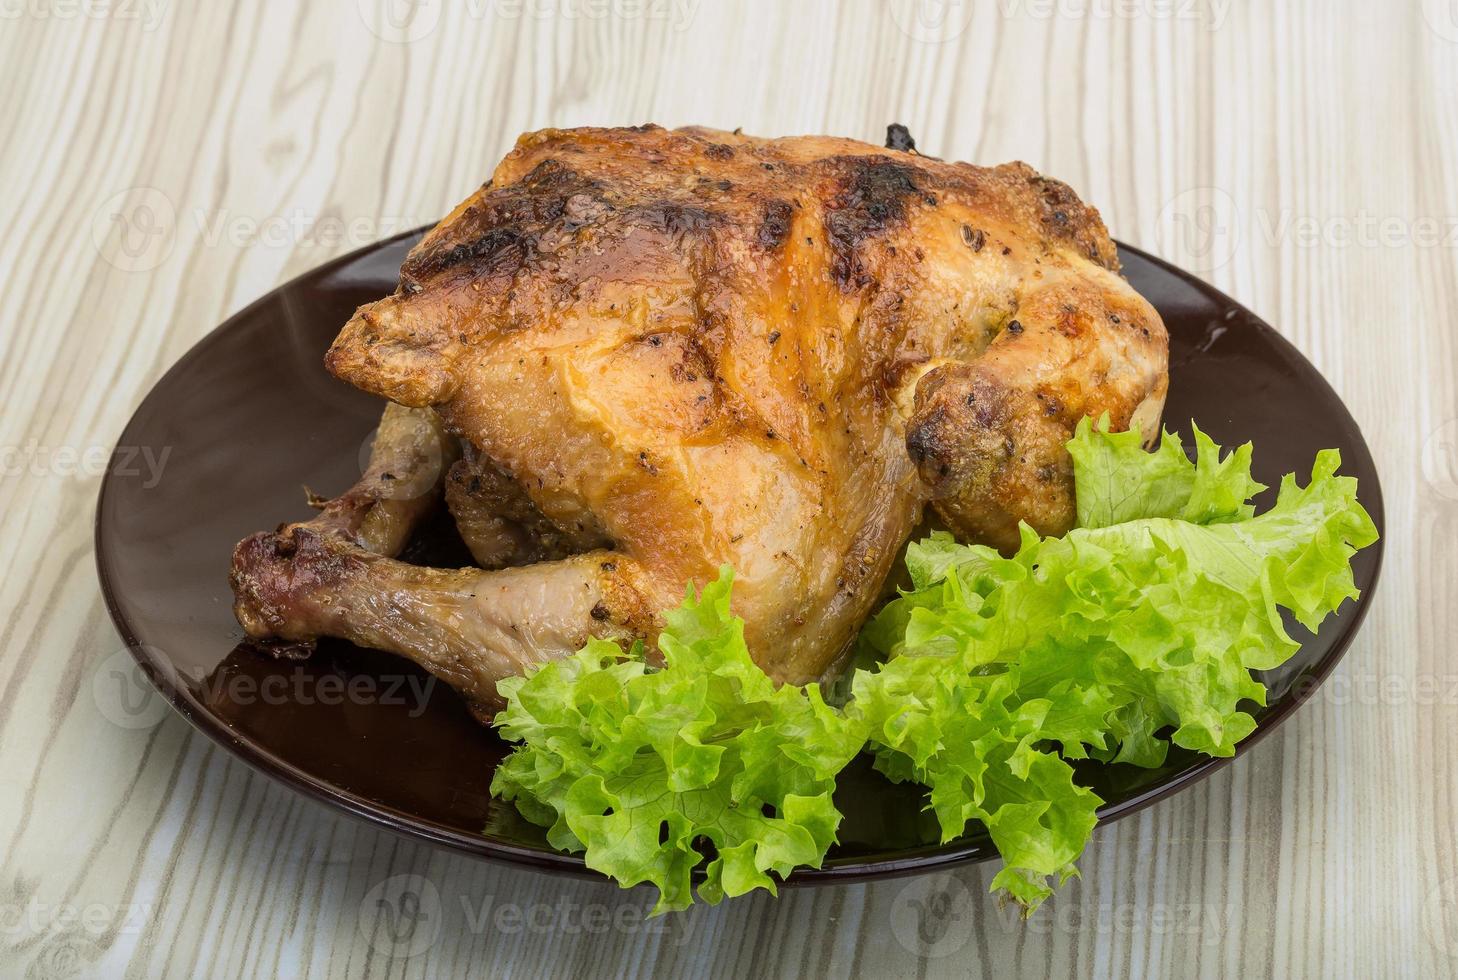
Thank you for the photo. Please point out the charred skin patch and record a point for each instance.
(500, 233)
(518, 226)
(875, 195)
(499, 248)
(774, 226)
(1067, 218)
(956, 435)
(926, 444)
(674, 220)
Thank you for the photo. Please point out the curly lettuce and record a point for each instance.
(1138, 629)
(1146, 619)
(654, 773)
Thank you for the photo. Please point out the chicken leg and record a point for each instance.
(400, 485)
(467, 626)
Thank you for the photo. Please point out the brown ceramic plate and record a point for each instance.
(249, 415)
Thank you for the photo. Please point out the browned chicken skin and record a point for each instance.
(705, 348)
(501, 524)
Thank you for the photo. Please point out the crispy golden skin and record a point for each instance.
(771, 354)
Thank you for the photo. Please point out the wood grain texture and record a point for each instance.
(165, 163)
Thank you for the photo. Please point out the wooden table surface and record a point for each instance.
(164, 163)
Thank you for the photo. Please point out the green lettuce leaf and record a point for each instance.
(653, 773)
(1117, 480)
(1138, 629)
(1148, 619)
(979, 745)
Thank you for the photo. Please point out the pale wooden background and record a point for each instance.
(1301, 155)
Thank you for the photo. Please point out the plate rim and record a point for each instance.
(921, 860)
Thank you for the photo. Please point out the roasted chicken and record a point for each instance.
(666, 351)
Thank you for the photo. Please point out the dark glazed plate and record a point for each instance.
(249, 415)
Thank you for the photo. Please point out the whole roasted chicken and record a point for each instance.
(658, 352)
